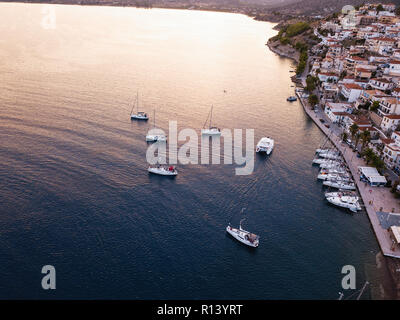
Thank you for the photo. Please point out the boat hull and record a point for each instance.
(162, 172)
(154, 138)
(339, 185)
(354, 207)
(134, 117)
(265, 145)
(240, 236)
(207, 132)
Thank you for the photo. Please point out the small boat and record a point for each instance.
(325, 174)
(347, 200)
(332, 155)
(265, 145)
(246, 237)
(163, 170)
(139, 115)
(322, 150)
(330, 164)
(155, 137)
(340, 184)
(210, 131)
(291, 98)
(335, 176)
(321, 161)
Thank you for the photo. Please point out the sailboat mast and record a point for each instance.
(137, 101)
(133, 105)
(208, 115)
(211, 115)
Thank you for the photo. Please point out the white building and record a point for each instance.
(351, 91)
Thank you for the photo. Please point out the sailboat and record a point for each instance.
(139, 115)
(155, 137)
(163, 170)
(245, 237)
(211, 131)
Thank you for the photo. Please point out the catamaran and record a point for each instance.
(155, 137)
(163, 170)
(342, 199)
(265, 145)
(139, 115)
(246, 237)
(210, 131)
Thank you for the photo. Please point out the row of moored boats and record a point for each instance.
(265, 145)
(335, 174)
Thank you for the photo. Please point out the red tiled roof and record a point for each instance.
(393, 116)
(352, 86)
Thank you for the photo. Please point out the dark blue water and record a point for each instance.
(75, 193)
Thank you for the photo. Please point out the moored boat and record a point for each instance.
(330, 155)
(155, 137)
(210, 131)
(330, 164)
(292, 98)
(139, 115)
(348, 200)
(340, 184)
(265, 145)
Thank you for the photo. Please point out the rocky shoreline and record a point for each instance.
(286, 51)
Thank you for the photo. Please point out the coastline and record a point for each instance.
(284, 51)
(249, 12)
(392, 259)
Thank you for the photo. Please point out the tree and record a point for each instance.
(397, 11)
(378, 163)
(344, 135)
(365, 138)
(369, 155)
(353, 130)
(379, 8)
(311, 83)
(358, 136)
(313, 100)
(374, 106)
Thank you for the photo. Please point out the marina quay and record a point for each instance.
(376, 199)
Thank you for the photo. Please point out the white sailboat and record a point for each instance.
(325, 174)
(321, 161)
(265, 145)
(335, 176)
(155, 137)
(330, 164)
(210, 131)
(245, 237)
(342, 199)
(340, 184)
(163, 170)
(139, 115)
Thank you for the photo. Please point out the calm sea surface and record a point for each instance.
(74, 190)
